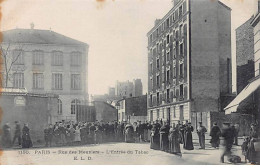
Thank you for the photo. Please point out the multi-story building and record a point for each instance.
(250, 95)
(244, 54)
(189, 60)
(129, 89)
(43, 61)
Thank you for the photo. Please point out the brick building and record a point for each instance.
(244, 54)
(189, 60)
(47, 62)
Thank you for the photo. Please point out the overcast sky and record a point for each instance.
(115, 31)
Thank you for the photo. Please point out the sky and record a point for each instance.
(114, 29)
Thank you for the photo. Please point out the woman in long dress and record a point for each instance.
(164, 140)
(188, 137)
(129, 133)
(6, 136)
(155, 138)
(174, 140)
(215, 133)
(77, 139)
(149, 127)
(26, 138)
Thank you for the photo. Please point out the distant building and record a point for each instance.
(189, 61)
(129, 89)
(105, 112)
(244, 54)
(111, 92)
(247, 101)
(132, 109)
(48, 62)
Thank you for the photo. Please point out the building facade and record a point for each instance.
(189, 60)
(244, 54)
(43, 61)
(105, 112)
(132, 109)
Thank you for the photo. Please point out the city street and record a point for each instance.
(109, 153)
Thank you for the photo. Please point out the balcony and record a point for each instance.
(174, 99)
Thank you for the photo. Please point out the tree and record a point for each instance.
(9, 57)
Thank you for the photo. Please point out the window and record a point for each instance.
(59, 107)
(157, 47)
(168, 75)
(181, 90)
(173, 17)
(181, 70)
(174, 72)
(75, 105)
(174, 111)
(158, 80)
(18, 80)
(75, 58)
(180, 11)
(75, 81)
(57, 81)
(151, 100)
(158, 112)
(18, 57)
(168, 39)
(168, 56)
(158, 97)
(184, 7)
(157, 32)
(38, 58)
(57, 58)
(180, 30)
(38, 81)
(168, 95)
(151, 67)
(168, 23)
(176, 14)
(158, 64)
(163, 113)
(181, 49)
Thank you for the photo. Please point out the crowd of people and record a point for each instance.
(21, 135)
(161, 135)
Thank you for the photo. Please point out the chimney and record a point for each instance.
(32, 25)
(156, 21)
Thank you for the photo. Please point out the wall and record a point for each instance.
(136, 106)
(36, 113)
(105, 112)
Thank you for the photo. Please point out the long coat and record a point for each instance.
(188, 144)
(174, 141)
(26, 138)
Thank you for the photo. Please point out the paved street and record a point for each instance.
(112, 153)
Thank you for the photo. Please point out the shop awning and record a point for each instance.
(246, 92)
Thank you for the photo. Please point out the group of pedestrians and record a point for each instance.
(20, 135)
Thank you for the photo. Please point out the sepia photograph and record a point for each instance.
(129, 82)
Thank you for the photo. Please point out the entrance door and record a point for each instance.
(151, 115)
(181, 114)
(169, 115)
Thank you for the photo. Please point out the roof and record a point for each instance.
(37, 36)
(224, 5)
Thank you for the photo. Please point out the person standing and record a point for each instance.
(155, 137)
(77, 138)
(236, 131)
(6, 137)
(26, 138)
(174, 140)
(253, 136)
(17, 133)
(201, 130)
(188, 137)
(215, 133)
(227, 134)
(164, 141)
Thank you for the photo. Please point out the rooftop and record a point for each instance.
(36, 36)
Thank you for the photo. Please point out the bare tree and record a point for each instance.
(9, 58)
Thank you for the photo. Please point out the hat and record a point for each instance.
(226, 123)
(200, 122)
(189, 122)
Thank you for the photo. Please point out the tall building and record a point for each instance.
(248, 100)
(43, 61)
(129, 89)
(189, 60)
(111, 92)
(244, 54)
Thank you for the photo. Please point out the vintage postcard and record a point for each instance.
(129, 82)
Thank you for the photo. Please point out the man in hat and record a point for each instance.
(227, 134)
(201, 130)
(17, 133)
